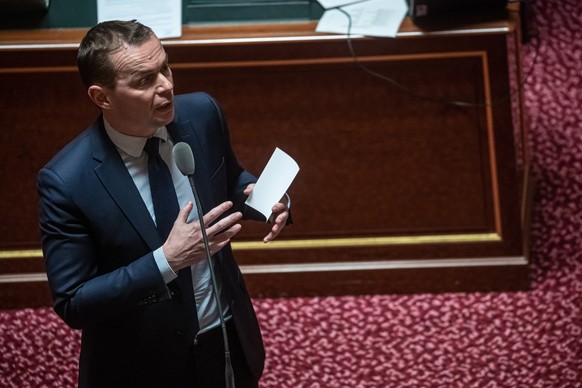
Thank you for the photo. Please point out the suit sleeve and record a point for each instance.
(237, 177)
(83, 293)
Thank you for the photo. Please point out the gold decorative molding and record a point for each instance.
(21, 254)
(349, 242)
(356, 242)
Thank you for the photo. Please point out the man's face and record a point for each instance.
(142, 99)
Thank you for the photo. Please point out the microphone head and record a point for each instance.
(184, 158)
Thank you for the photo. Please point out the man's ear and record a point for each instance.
(98, 94)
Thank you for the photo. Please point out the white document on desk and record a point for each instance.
(273, 183)
(372, 18)
(327, 4)
(163, 17)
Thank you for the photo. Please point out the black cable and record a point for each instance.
(409, 91)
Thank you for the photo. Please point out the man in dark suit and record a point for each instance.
(143, 297)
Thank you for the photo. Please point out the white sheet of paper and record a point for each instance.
(373, 18)
(163, 17)
(327, 4)
(273, 182)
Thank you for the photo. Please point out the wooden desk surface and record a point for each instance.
(506, 22)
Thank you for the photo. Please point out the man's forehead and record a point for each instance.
(129, 59)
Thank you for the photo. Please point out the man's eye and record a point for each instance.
(145, 81)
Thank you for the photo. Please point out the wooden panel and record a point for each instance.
(41, 112)
(368, 156)
(398, 191)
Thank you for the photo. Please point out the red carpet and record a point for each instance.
(527, 339)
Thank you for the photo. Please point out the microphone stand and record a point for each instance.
(228, 372)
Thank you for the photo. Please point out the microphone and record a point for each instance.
(184, 158)
(185, 161)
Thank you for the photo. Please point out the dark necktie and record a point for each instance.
(166, 209)
(163, 193)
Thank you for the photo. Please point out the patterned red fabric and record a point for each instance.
(523, 339)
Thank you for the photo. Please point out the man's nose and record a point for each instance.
(164, 84)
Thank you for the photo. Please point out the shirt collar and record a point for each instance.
(132, 145)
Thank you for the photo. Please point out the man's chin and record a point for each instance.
(165, 115)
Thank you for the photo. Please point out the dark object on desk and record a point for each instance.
(24, 5)
(444, 11)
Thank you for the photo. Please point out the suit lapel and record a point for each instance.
(114, 176)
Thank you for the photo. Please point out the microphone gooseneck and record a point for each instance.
(185, 161)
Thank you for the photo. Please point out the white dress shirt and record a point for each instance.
(136, 161)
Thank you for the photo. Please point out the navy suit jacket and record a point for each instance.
(98, 239)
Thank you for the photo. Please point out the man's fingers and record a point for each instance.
(184, 212)
(216, 212)
(223, 224)
(220, 240)
(249, 189)
(227, 234)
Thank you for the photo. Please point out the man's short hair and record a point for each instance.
(94, 55)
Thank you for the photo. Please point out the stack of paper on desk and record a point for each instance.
(368, 17)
